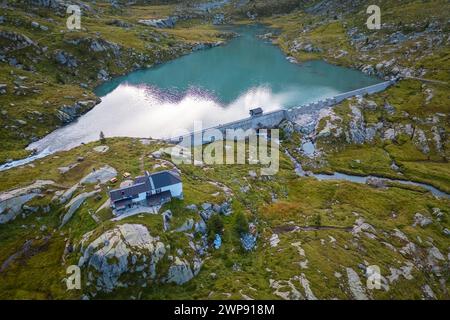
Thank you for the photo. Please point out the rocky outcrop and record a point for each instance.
(285, 289)
(59, 5)
(421, 220)
(420, 140)
(332, 125)
(128, 255)
(12, 202)
(97, 45)
(74, 204)
(288, 128)
(3, 87)
(17, 41)
(357, 126)
(65, 59)
(308, 47)
(100, 45)
(101, 149)
(68, 113)
(63, 197)
(355, 285)
(296, 288)
(101, 175)
(361, 226)
(123, 249)
(103, 75)
(218, 19)
(168, 22)
(180, 272)
(354, 129)
(205, 45)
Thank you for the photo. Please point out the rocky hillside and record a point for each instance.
(48, 72)
(398, 133)
(55, 212)
(412, 41)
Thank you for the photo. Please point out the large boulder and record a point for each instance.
(355, 285)
(75, 203)
(128, 255)
(12, 202)
(168, 22)
(122, 250)
(65, 59)
(12, 42)
(421, 220)
(357, 126)
(420, 140)
(68, 113)
(3, 88)
(376, 182)
(187, 226)
(102, 175)
(287, 127)
(180, 272)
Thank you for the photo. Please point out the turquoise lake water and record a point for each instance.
(214, 86)
(245, 63)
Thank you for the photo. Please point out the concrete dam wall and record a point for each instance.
(272, 119)
(315, 106)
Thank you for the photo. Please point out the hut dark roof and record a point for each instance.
(145, 183)
(128, 192)
(164, 178)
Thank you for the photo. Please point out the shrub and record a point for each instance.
(102, 137)
(318, 220)
(240, 223)
(215, 226)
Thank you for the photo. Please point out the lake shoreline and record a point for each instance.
(42, 153)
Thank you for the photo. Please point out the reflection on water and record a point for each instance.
(214, 86)
(139, 112)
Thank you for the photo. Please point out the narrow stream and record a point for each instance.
(363, 179)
